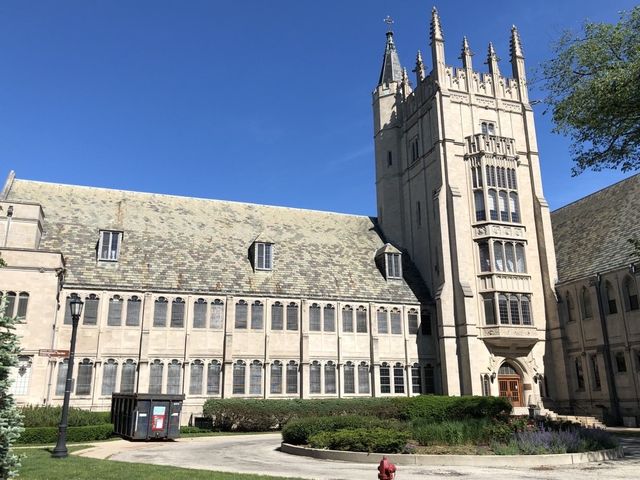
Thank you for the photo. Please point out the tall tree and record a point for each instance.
(10, 419)
(593, 86)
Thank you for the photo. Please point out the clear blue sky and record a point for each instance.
(254, 101)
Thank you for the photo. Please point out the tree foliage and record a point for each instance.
(593, 86)
(10, 419)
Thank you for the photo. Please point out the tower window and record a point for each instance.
(488, 128)
(109, 246)
(389, 159)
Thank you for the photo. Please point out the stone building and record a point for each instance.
(598, 301)
(449, 290)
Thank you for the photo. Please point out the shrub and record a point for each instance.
(542, 441)
(471, 431)
(47, 435)
(188, 430)
(48, 416)
(379, 440)
(298, 431)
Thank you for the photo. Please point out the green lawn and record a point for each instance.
(37, 464)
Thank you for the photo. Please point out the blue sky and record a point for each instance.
(254, 101)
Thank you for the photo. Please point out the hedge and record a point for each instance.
(47, 416)
(299, 430)
(48, 435)
(379, 440)
(265, 415)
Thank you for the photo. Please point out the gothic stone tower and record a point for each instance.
(459, 189)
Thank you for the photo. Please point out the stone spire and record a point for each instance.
(437, 46)
(419, 70)
(466, 54)
(492, 61)
(391, 68)
(406, 84)
(517, 63)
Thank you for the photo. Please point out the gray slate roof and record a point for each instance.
(591, 235)
(185, 244)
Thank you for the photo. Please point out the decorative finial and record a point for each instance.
(389, 21)
(419, 70)
(466, 53)
(436, 29)
(516, 44)
(465, 45)
(492, 60)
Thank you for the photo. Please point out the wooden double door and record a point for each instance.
(511, 388)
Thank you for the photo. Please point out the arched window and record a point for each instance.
(239, 370)
(412, 320)
(521, 263)
(586, 303)
(492, 197)
(196, 375)
(416, 379)
(155, 376)
(525, 304)
(11, 304)
(292, 377)
(571, 316)
(489, 309)
(216, 320)
(128, 377)
(214, 370)
(485, 129)
(160, 314)
(383, 323)
(503, 308)
(510, 257)
(91, 310)
(385, 378)
(579, 374)
(255, 378)
(315, 384)
(67, 311)
(507, 369)
(612, 307)
(109, 371)
(349, 378)
(515, 310)
(429, 379)
(347, 319)
(363, 378)
(257, 315)
(83, 380)
(174, 370)
(504, 210)
(23, 301)
(329, 377)
(498, 255)
(478, 197)
(329, 318)
(114, 316)
(20, 385)
(62, 376)
(277, 316)
(396, 322)
(276, 377)
(177, 313)
(241, 316)
(485, 258)
(200, 313)
(361, 320)
(133, 312)
(292, 316)
(315, 324)
(630, 293)
(515, 209)
(398, 378)
(511, 176)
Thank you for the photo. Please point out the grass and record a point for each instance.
(37, 464)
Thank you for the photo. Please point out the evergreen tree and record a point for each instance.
(10, 419)
(593, 86)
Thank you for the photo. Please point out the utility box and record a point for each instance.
(146, 416)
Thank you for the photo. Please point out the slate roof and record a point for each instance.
(591, 235)
(182, 244)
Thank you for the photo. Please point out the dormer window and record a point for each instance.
(109, 245)
(394, 265)
(264, 256)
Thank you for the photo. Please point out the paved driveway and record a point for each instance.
(258, 454)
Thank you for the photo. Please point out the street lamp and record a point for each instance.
(61, 447)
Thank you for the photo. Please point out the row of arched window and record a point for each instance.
(502, 256)
(83, 373)
(513, 309)
(16, 304)
(500, 205)
(629, 297)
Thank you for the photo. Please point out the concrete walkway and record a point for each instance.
(258, 454)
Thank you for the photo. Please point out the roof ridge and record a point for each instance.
(579, 200)
(135, 192)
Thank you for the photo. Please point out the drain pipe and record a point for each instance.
(6, 232)
(611, 381)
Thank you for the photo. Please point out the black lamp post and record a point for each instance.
(61, 447)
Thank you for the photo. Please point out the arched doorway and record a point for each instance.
(510, 384)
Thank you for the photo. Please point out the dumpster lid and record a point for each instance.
(150, 396)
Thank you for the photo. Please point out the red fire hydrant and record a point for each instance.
(386, 470)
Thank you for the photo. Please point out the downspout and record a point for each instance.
(611, 381)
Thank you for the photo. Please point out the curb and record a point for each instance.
(458, 460)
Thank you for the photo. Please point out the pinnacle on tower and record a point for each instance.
(419, 70)
(516, 44)
(437, 47)
(436, 29)
(517, 63)
(466, 54)
(492, 61)
(391, 68)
